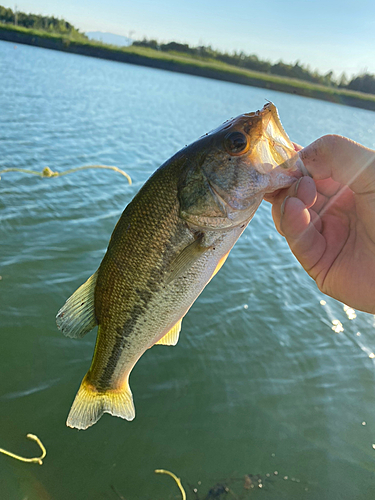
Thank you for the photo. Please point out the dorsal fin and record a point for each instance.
(171, 338)
(77, 316)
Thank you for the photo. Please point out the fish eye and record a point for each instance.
(235, 143)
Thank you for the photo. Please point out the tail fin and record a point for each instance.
(90, 404)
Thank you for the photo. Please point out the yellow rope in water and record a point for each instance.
(47, 172)
(36, 460)
(178, 481)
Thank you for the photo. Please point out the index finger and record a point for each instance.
(343, 160)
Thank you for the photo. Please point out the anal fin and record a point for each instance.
(77, 316)
(171, 338)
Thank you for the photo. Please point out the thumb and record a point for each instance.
(343, 160)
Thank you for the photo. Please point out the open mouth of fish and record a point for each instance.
(274, 153)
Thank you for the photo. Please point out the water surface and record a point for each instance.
(259, 382)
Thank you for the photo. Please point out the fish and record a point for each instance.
(170, 241)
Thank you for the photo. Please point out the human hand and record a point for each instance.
(328, 219)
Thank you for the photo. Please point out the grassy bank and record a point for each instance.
(185, 64)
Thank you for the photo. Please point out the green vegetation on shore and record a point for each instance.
(363, 83)
(201, 61)
(48, 24)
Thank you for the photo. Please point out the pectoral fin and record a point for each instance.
(171, 338)
(77, 316)
(186, 259)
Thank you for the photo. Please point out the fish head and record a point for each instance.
(233, 167)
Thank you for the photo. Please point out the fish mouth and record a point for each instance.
(273, 126)
(285, 175)
(273, 146)
(281, 179)
(275, 154)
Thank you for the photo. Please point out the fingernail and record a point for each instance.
(302, 167)
(282, 208)
(297, 186)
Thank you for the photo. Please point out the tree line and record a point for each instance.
(43, 23)
(364, 82)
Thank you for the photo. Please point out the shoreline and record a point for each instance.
(185, 64)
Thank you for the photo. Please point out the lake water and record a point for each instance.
(259, 382)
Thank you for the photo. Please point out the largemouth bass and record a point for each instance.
(169, 242)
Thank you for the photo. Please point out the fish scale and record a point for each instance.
(168, 244)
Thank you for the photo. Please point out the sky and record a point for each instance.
(336, 35)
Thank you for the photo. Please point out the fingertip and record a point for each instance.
(305, 190)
